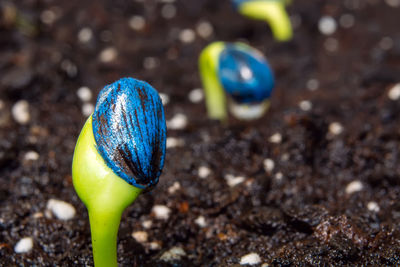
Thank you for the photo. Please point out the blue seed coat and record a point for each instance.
(130, 132)
(245, 75)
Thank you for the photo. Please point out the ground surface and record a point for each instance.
(332, 196)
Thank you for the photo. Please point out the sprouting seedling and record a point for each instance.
(119, 153)
(239, 72)
(271, 11)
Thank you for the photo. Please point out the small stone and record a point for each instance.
(69, 68)
(347, 21)
(354, 187)
(279, 176)
(312, 84)
(150, 63)
(204, 172)
(108, 55)
(201, 221)
(174, 254)
(31, 156)
(335, 128)
(48, 17)
(175, 142)
(137, 23)
(327, 25)
(140, 236)
(87, 109)
(196, 95)
(187, 36)
(250, 259)
(173, 188)
(232, 180)
(178, 122)
(161, 212)
(155, 245)
(24, 245)
(386, 43)
(393, 3)
(276, 138)
(85, 35)
(38, 215)
(269, 165)
(373, 206)
(305, 105)
(61, 209)
(20, 112)
(204, 29)
(147, 224)
(285, 157)
(168, 11)
(331, 44)
(84, 94)
(394, 92)
(164, 98)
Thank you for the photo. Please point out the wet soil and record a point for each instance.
(331, 198)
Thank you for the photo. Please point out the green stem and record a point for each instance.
(104, 229)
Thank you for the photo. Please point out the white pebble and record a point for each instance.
(285, 157)
(250, 259)
(173, 188)
(305, 105)
(87, 109)
(31, 156)
(204, 172)
(394, 92)
(175, 142)
(20, 112)
(84, 94)
(201, 221)
(150, 63)
(147, 224)
(137, 23)
(161, 212)
(168, 11)
(331, 44)
(275, 138)
(347, 21)
(354, 187)
(312, 84)
(61, 209)
(24, 245)
(178, 122)
(174, 254)
(187, 36)
(164, 98)
(327, 25)
(154, 245)
(393, 3)
(335, 128)
(386, 43)
(140, 236)
(232, 180)
(373, 206)
(196, 95)
(85, 35)
(108, 55)
(204, 29)
(279, 176)
(269, 165)
(48, 17)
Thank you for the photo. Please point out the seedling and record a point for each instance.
(271, 11)
(120, 152)
(242, 73)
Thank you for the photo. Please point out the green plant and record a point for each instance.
(119, 153)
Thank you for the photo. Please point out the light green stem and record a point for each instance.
(214, 93)
(105, 195)
(274, 13)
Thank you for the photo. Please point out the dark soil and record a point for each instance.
(297, 214)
